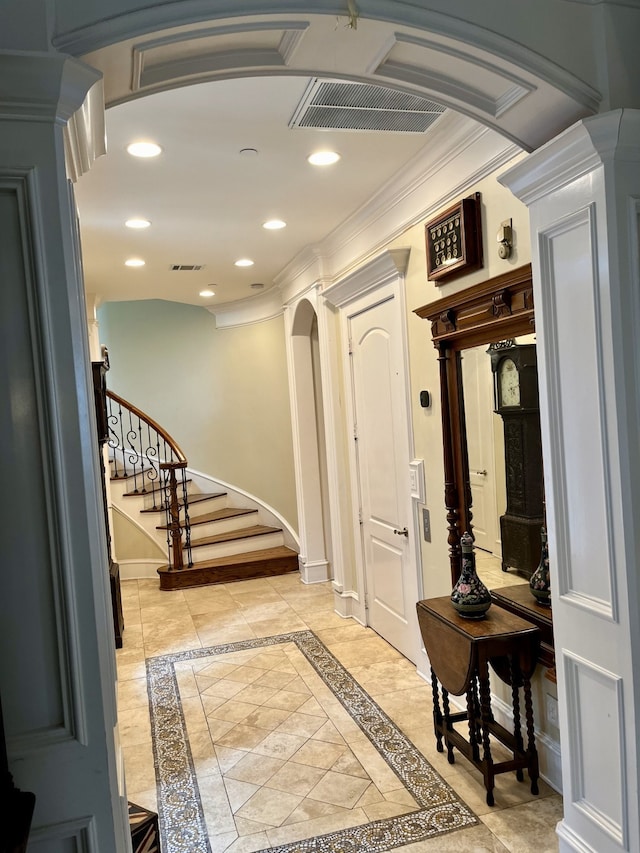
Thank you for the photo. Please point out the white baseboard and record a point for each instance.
(314, 572)
(139, 569)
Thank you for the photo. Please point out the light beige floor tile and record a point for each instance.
(231, 634)
(134, 727)
(130, 671)
(243, 737)
(193, 713)
(339, 789)
(147, 799)
(295, 778)
(270, 719)
(232, 711)
(385, 810)
(319, 754)
(269, 807)
(247, 828)
(224, 688)
(279, 745)
(203, 754)
(157, 613)
(285, 699)
(281, 625)
(474, 839)
(239, 792)
(254, 768)
(309, 810)
(376, 767)
(215, 805)
(249, 843)
(222, 842)
(257, 694)
(228, 758)
(298, 830)
(141, 775)
(337, 635)
(299, 724)
(528, 828)
(133, 694)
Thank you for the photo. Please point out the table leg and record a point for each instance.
(532, 752)
(437, 713)
(472, 716)
(447, 726)
(515, 697)
(485, 713)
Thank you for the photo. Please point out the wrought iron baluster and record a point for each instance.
(187, 522)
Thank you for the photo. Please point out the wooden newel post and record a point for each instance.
(176, 531)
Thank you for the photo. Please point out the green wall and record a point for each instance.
(221, 393)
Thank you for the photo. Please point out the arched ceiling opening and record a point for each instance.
(223, 98)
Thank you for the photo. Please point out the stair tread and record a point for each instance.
(216, 515)
(193, 499)
(149, 490)
(239, 533)
(238, 559)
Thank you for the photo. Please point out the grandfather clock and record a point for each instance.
(515, 373)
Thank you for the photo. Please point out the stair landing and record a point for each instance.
(255, 564)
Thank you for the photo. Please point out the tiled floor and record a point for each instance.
(277, 757)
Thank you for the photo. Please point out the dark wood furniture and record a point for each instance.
(460, 651)
(145, 834)
(515, 371)
(517, 599)
(99, 370)
(498, 309)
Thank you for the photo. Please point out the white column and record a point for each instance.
(583, 193)
(57, 662)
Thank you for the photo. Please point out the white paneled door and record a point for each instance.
(381, 437)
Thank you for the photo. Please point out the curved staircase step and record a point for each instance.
(216, 515)
(255, 564)
(193, 499)
(232, 535)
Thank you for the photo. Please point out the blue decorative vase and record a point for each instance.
(539, 583)
(470, 597)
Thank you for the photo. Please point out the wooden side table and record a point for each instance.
(460, 651)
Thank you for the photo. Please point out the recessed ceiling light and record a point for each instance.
(256, 285)
(144, 149)
(274, 224)
(137, 223)
(207, 293)
(244, 262)
(134, 262)
(323, 158)
(249, 152)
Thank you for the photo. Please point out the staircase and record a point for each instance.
(207, 540)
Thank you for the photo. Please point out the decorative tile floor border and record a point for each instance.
(182, 823)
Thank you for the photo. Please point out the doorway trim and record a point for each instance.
(386, 270)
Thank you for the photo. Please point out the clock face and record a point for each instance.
(509, 384)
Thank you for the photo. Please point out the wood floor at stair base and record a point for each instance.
(268, 563)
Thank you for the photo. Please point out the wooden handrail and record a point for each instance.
(171, 442)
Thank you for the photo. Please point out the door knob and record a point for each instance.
(403, 532)
(481, 473)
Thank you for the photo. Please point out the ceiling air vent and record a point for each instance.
(186, 267)
(341, 105)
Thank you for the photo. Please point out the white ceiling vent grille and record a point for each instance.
(186, 267)
(341, 105)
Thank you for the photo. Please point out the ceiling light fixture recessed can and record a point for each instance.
(137, 223)
(207, 293)
(244, 262)
(134, 262)
(249, 152)
(323, 158)
(144, 149)
(274, 224)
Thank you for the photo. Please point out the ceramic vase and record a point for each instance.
(470, 597)
(539, 582)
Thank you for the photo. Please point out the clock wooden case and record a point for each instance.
(454, 241)
(515, 373)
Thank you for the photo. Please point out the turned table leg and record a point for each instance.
(486, 716)
(532, 752)
(437, 713)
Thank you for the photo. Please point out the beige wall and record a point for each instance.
(221, 393)
(497, 204)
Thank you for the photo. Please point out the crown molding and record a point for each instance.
(388, 266)
(579, 150)
(246, 312)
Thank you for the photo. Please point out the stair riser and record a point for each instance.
(185, 579)
(237, 546)
(223, 525)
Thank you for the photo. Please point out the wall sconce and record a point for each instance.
(505, 240)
